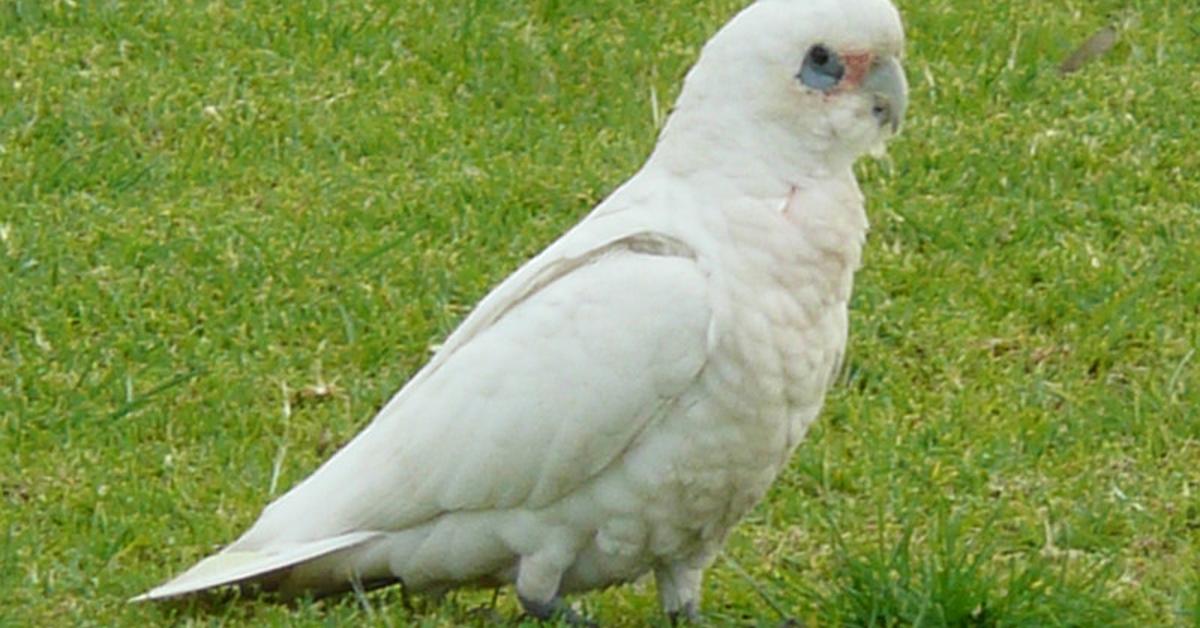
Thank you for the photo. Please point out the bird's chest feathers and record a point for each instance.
(779, 279)
(781, 325)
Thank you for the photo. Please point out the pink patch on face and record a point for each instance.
(857, 65)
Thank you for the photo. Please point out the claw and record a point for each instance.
(555, 610)
(689, 613)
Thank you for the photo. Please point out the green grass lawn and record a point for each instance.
(230, 230)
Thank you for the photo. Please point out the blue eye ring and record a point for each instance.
(822, 69)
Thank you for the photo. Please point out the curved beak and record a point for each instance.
(886, 83)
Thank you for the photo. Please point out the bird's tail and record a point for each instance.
(233, 566)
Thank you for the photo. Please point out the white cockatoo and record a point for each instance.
(617, 404)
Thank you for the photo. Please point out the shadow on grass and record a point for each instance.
(950, 578)
(381, 606)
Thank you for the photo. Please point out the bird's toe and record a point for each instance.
(689, 613)
(555, 610)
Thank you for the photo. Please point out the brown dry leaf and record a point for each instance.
(1094, 47)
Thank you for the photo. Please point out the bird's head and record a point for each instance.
(804, 82)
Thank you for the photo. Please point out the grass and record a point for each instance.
(230, 230)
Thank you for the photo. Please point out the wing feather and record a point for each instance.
(539, 398)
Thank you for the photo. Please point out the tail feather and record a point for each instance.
(240, 566)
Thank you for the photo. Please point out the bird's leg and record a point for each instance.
(679, 591)
(406, 599)
(537, 590)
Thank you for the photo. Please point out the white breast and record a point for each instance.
(781, 281)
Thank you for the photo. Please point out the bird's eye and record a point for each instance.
(822, 69)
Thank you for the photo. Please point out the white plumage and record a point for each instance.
(617, 404)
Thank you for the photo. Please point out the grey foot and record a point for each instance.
(555, 610)
(689, 613)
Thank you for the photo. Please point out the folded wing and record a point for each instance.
(534, 403)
